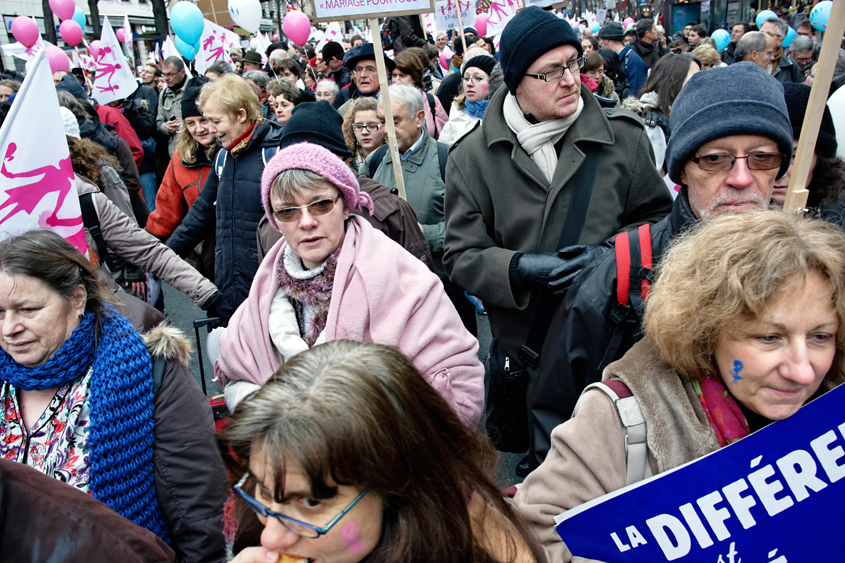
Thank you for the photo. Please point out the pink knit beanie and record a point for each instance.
(319, 160)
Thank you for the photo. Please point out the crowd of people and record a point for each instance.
(610, 200)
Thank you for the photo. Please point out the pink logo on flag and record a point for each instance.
(113, 80)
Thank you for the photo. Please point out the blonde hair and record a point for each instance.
(232, 93)
(186, 145)
(707, 55)
(724, 274)
(361, 104)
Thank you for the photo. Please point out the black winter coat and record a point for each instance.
(406, 31)
(230, 203)
(582, 330)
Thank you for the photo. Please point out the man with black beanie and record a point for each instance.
(544, 146)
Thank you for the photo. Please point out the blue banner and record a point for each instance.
(777, 496)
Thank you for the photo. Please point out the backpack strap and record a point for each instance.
(375, 161)
(433, 107)
(632, 419)
(92, 222)
(271, 151)
(220, 162)
(442, 158)
(159, 363)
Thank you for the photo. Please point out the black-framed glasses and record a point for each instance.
(304, 529)
(368, 127)
(557, 72)
(315, 208)
(721, 161)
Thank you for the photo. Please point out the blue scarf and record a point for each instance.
(121, 403)
(476, 109)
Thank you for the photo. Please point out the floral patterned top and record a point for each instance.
(57, 444)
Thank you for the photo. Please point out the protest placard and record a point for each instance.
(329, 10)
(446, 14)
(776, 496)
(501, 12)
(36, 176)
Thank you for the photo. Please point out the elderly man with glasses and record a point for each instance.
(365, 81)
(546, 168)
(731, 138)
(783, 68)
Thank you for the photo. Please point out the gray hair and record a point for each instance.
(408, 97)
(289, 182)
(802, 44)
(278, 55)
(783, 27)
(330, 83)
(67, 100)
(751, 42)
(220, 67)
(175, 62)
(258, 77)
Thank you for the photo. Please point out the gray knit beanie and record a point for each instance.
(740, 99)
(532, 33)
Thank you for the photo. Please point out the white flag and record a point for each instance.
(501, 12)
(36, 177)
(114, 80)
(127, 35)
(333, 33)
(170, 49)
(215, 44)
(26, 53)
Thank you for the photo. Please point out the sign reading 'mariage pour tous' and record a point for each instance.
(328, 10)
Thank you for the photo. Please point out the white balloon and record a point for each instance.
(318, 36)
(246, 13)
(212, 344)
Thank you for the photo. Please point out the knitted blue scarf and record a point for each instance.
(121, 403)
(476, 109)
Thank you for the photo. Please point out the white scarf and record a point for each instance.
(539, 140)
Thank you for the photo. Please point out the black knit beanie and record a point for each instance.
(797, 98)
(71, 85)
(318, 123)
(190, 95)
(484, 62)
(532, 33)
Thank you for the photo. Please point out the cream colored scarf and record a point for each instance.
(539, 140)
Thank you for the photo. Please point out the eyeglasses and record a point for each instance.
(315, 209)
(474, 79)
(557, 72)
(302, 528)
(365, 69)
(368, 127)
(721, 161)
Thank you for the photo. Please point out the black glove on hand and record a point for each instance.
(217, 306)
(576, 258)
(536, 269)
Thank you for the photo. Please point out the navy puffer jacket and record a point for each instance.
(230, 203)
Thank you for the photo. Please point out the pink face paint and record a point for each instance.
(350, 533)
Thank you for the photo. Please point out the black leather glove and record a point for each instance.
(217, 306)
(576, 258)
(535, 269)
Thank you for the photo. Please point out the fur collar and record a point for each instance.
(170, 342)
(677, 429)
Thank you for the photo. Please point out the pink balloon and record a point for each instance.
(444, 60)
(71, 32)
(57, 59)
(94, 47)
(121, 36)
(627, 21)
(275, 37)
(63, 8)
(481, 24)
(25, 30)
(297, 27)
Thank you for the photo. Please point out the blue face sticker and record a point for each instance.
(736, 370)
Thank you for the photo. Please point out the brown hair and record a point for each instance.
(58, 264)
(725, 273)
(410, 64)
(87, 157)
(361, 415)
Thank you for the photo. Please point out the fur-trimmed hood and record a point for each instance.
(170, 342)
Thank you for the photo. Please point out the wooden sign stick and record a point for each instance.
(796, 194)
(388, 112)
(461, 28)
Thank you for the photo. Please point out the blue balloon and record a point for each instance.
(820, 15)
(188, 51)
(595, 26)
(790, 35)
(763, 16)
(722, 38)
(187, 21)
(79, 17)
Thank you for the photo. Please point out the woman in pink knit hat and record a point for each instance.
(331, 277)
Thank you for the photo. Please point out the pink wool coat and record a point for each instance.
(380, 294)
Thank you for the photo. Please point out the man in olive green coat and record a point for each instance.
(509, 182)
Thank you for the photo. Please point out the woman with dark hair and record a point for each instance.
(385, 471)
(409, 69)
(283, 96)
(594, 65)
(83, 403)
(490, 47)
(826, 181)
(291, 70)
(665, 82)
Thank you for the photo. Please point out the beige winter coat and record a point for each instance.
(140, 248)
(587, 455)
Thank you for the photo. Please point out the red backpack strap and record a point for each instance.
(645, 254)
(623, 268)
